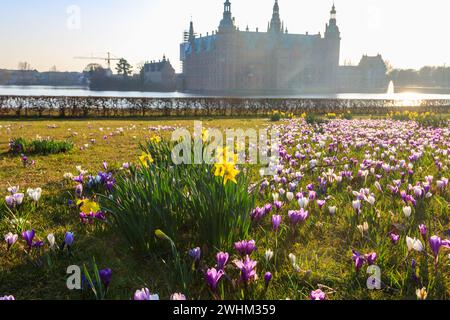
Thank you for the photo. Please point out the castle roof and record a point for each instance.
(157, 66)
(372, 62)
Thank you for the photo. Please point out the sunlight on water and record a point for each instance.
(402, 98)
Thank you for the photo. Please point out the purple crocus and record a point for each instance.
(257, 214)
(267, 208)
(105, 276)
(267, 278)
(178, 296)
(318, 295)
(276, 222)
(10, 201)
(423, 230)
(79, 190)
(213, 277)
(435, 244)
(245, 247)
(248, 269)
(371, 257)
(28, 236)
(358, 259)
(7, 298)
(78, 179)
(297, 216)
(195, 253)
(10, 239)
(144, 295)
(278, 205)
(446, 243)
(68, 239)
(321, 203)
(222, 259)
(38, 244)
(394, 238)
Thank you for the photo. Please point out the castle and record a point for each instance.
(230, 60)
(233, 61)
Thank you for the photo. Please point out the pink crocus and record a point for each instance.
(297, 216)
(318, 295)
(213, 277)
(248, 269)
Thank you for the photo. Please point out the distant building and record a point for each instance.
(19, 77)
(370, 75)
(159, 73)
(33, 77)
(55, 78)
(230, 60)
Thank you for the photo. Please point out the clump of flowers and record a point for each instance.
(146, 159)
(15, 198)
(90, 211)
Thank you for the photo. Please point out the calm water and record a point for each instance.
(83, 92)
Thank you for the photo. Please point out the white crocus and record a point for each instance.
(303, 202)
(34, 194)
(357, 205)
(293, 259)
(51, 240)
(414, 244)
(269, 255)
(290, 196)
(407, 211)
(371, 199)
(68, 176)
(275, 196)
(363, 228)
(332, 210)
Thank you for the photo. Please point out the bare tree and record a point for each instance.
(389, 66)
(24, 66)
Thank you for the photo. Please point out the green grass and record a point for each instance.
(321, 245)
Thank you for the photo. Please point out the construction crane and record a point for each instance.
(108, 59)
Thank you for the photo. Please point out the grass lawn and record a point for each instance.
(116, 142)
(322, 247)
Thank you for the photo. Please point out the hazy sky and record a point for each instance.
(408, 33)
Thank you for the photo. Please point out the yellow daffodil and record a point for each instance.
(219, 170)
(155, 139)
(205, 135)
(145, 159)
(230, 173)
(87, 206)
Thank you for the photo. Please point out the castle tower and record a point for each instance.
(332, 47)
(275, 23)
(191, 32)
(332, 30)
(227, 23)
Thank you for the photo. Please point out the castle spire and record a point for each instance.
(227, 23)
(191, 31)
(332, 29)
(275, 23)
(333, 12)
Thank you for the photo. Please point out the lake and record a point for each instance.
(84, 92)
